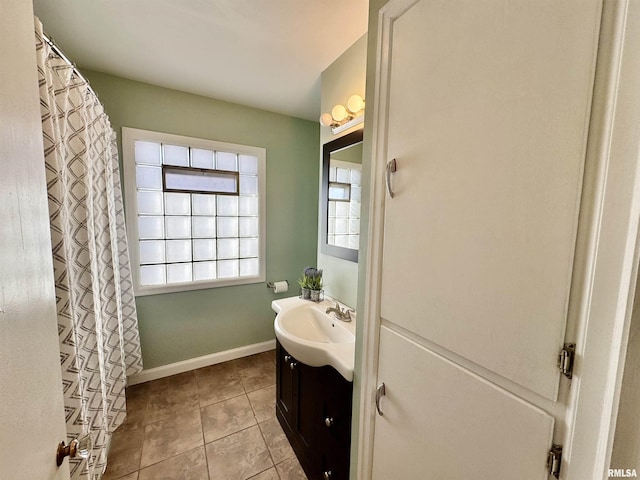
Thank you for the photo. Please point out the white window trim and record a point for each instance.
(129, 136)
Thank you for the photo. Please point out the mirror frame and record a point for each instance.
(328, 148)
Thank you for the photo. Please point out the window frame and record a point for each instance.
(174, 168)
(129, 137)
(342, 185)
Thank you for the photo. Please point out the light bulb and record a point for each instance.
(339, 113)
(355, 103)
(326, 120)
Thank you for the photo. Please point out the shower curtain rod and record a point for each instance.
(61, 54)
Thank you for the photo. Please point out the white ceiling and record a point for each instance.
(267, 54)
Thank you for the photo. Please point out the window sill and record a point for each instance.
(186, 287)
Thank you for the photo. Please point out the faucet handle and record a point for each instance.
(347, 314)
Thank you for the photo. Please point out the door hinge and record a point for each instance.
(554, 460)
(565, 359)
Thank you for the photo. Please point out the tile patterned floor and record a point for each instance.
(215, 423)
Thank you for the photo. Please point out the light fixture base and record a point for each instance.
(347, 125)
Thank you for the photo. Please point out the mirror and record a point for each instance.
(341, 196)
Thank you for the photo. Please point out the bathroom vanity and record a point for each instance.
(313, 405)
(314, 373)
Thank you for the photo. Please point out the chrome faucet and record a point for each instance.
(344, 315)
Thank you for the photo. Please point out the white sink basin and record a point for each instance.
(314, 337)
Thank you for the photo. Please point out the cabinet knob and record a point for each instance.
(328, 421)
(328, 475)
(287, 358)
(293, 365)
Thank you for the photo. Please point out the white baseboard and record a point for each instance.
(199, 362)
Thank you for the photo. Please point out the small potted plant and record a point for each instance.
(314, 283)
(305, 292)
(311, 284)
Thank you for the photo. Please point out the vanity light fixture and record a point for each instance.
(341, 118)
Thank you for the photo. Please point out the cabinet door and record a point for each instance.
(286, 389)
(488, 108)
(309, 410)
(335, 426)
(488, 120)
(443, 422)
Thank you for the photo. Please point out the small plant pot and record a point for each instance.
(316, 295)
(305, 293)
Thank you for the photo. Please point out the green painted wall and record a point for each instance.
(352, 154)
(344, 77)
(180, 326)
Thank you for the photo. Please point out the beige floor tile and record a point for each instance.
(263, 402)
(217, 383)
(272, 355)
(166, 439)
(239, 456)
(125, 453)
(191, 465)
(276, 440)
(259, 375)
(224, 418)
(131, 476)
(140, 390)
(168, 396)
(291, 470)
(219, 369)
(253, 360)
(270, 474)
(137, 400)
(164, 431)
(172, 381)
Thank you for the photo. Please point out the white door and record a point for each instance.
(31, 404)
(488, 113)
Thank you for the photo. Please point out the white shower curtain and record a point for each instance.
(97, 323)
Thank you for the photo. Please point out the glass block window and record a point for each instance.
(195, 212)
(343, 227)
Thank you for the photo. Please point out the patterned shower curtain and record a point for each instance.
(97, 323)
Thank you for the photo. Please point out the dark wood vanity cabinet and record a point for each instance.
(313, 405)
